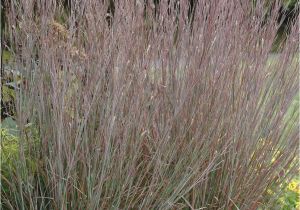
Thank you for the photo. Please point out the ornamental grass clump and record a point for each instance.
(155, 112)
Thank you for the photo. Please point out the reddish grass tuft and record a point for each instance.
(151, 113)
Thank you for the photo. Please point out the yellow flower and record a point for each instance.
(294, 186)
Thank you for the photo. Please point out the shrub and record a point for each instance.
(151, 115)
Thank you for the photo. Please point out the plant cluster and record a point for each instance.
(149, 113)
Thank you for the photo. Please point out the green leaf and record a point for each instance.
(8, 94)
(10, 125)
(6, 56)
